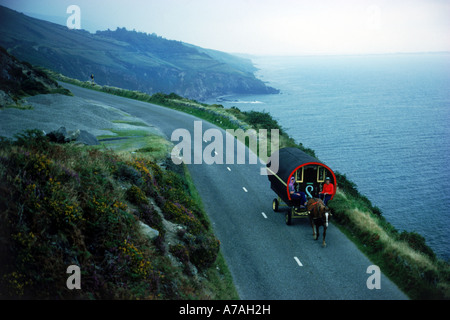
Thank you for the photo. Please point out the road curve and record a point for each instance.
(268, 260)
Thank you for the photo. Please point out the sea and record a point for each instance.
(382, 120)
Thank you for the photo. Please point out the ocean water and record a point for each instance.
(383, 120)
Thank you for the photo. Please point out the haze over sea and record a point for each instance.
(383, 120)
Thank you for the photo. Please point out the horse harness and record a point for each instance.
(315, 207)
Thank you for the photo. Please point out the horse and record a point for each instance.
(318, 216)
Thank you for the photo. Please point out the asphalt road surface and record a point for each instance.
(267, 258)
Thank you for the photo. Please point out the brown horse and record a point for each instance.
(318, 216)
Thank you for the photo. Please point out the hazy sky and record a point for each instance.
(282, 27)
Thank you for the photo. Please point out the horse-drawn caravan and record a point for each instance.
(302, 178)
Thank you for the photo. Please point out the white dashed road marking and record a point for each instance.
(264, 215)
(228, 168)
(245, 189)
(298, 262)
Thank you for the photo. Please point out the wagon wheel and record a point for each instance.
(288, 217)
(275, 205)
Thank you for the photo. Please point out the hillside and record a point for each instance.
(147, 237)
(128, 59)
(19, 79)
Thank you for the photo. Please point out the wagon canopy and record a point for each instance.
(291, 160)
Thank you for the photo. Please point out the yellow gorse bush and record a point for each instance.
(141, 166)
(140, 265)
(120, 205)
(17, 282)
(100, 205)
(40, 164)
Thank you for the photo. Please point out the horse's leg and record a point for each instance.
(324, 235)
(312, 225)
(317, 232)
(325, 226)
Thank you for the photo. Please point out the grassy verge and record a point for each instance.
(136, 140)
(19, 106)
(67, 205)
(403, 256)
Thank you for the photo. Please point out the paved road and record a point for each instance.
(268, 260)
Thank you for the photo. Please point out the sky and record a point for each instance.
(268, 27)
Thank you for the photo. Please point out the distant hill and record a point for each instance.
(128, 59)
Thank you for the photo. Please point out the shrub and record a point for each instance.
(203, 250)
(32, 139)
(259, 119)
(151, 217)
(136, 195)
(179, 214)
(181, 253)
(174, 96)
(127, 173)
(140, 265)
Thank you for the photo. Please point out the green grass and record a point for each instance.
(62, 91)
(20, 106)
(131, 123)
(138, 140)
(220, 281)
(118, 133)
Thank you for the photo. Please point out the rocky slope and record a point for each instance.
(20, 79)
